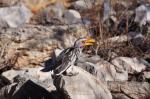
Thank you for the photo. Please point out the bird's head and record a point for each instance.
(82, 42)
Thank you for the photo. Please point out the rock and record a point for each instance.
(130, 64)
(102, 69)
(105, 71)
(28, 73)
(80, 5)
(4, 81)
(53, 14)
(11, 74)
(28, 82)
(146, 75)
(16, 15)
(6, 3)
(32, 90)
(142, 14)
(31, 45)
(24, 89)
(145, 1)
(90, 88)
(136, 38)
(136, 90)
(109, 20)
(36, 75)
(120, 96)
(3, 23)
(107, 10)
(72, 17)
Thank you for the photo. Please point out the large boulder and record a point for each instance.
(72, 17)
(81, 86)
(129, 90)
(131, 64)
(142, 14)
(102, 69)
(35, 74)
(28, 83)
(15, 16)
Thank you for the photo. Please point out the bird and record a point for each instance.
(67, 58)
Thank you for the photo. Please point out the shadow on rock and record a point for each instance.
(30, 90)
(49, 64)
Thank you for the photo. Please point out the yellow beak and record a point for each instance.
(89, 42)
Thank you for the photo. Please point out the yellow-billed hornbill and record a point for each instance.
(67, 57)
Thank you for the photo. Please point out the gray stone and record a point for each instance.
(134, 90)
(144, 1)
(11, 74)
(6, 3)
(16, 15)
(23, 88)
(130, 64)
(53, 14)
(142, 14)
(80, 5)
(35, 74)
(136, 38)
(108, 11)
(85, 4)
(102, 69)
(81, 86)
(120, 96)
(146, 75)
(110, 72)
(72, 17)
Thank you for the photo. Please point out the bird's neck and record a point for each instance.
(78, 51)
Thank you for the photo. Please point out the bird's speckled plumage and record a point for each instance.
(68, 57)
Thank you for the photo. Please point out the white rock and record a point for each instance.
(147, 75)
(54, 12)
(142, 14)
(16, 15)
(130, 64)
(103, 70)
(145, 1)
(72, 17)
(80, 5)
(82, 86)
(10, 74)
(30, 72)
(85, 4)
(117, 71)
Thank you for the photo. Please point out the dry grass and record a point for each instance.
(6, 62)
(102, 32)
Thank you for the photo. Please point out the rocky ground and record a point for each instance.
(34, 32)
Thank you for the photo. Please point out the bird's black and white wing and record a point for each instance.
(65, 60)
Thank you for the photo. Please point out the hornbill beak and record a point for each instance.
(89, 42)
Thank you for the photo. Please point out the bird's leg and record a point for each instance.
(71, 71)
